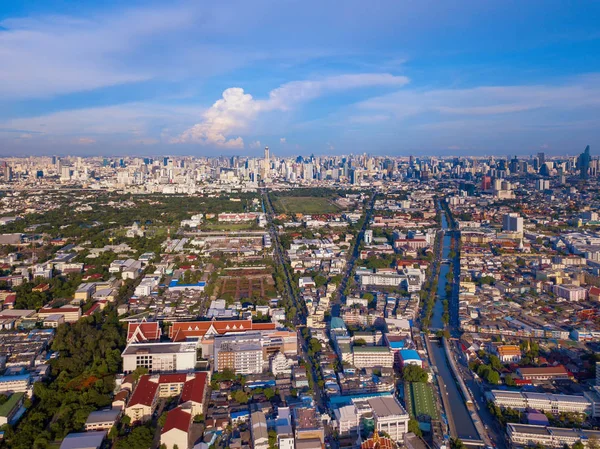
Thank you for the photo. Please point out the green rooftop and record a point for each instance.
(10, 404)
(371, 349)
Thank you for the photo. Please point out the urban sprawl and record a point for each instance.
(300, 303)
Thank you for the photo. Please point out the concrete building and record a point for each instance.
(259, 431)
(176, 428)
(102, 419)
(84, 440)
(347, 420)
(390, 417)
(544, 373)
(546, 402)
(243, 355)
(70, 313)
(512, 222)
(160, 357)
(370, 356)
(521, 435)
(409, 357)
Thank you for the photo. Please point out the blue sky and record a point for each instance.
(324, 77)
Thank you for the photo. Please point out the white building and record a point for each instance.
(546, 402)
(528, 435)
(160, 357)
(347, 419)
(370, 356)
(390, 417)
(281, 365)
(512, 222)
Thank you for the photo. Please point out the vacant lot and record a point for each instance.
(305, 205)
(246, 286)
(422, 400)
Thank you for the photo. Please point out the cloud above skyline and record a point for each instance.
(223, 77)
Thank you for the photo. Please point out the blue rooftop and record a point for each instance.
(15, 377)
(337, 323)
(409, 354)
(175, 283)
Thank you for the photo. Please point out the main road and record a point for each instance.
(335, 310)
(300, 318)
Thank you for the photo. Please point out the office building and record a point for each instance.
(512, 223)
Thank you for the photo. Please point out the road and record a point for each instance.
(353, 256)
(300, 319)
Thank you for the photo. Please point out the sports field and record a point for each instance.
(422, 400)
(305, 205)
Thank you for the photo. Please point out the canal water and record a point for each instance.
(459, 413)
(438, 307)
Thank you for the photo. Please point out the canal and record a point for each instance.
(438, 307)
(458, 412)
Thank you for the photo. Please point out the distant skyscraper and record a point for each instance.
(267, 156)
(512, 222)
(542, 184)
(584, 163)
(541, 158)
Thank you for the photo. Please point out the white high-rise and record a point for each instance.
(512, 222)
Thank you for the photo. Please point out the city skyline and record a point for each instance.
(203, 80)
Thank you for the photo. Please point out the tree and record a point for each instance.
(456, 443)
(509, 381)
(314, 346)
(495, 362)
(320, 280)
(113, 433)
(414, 373)
(360, 342)
(578, 445)
(139, 438)
(413, 426)
(269, 393)
(240, 396)
(162, 419)
(493, 377)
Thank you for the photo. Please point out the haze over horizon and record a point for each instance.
(389, 78)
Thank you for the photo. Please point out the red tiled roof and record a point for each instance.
(177, 419)
(93, 309)
(121, 395)
(594, 291)
(193, 390)
(171, 378)
(558, 369)
(144, 393)
(149, 330)
(59, 310)
(197, 329)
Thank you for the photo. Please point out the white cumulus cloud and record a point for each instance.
(233, 113)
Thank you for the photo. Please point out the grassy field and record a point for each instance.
(422, 400)
(217, 226)
(305, 205)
